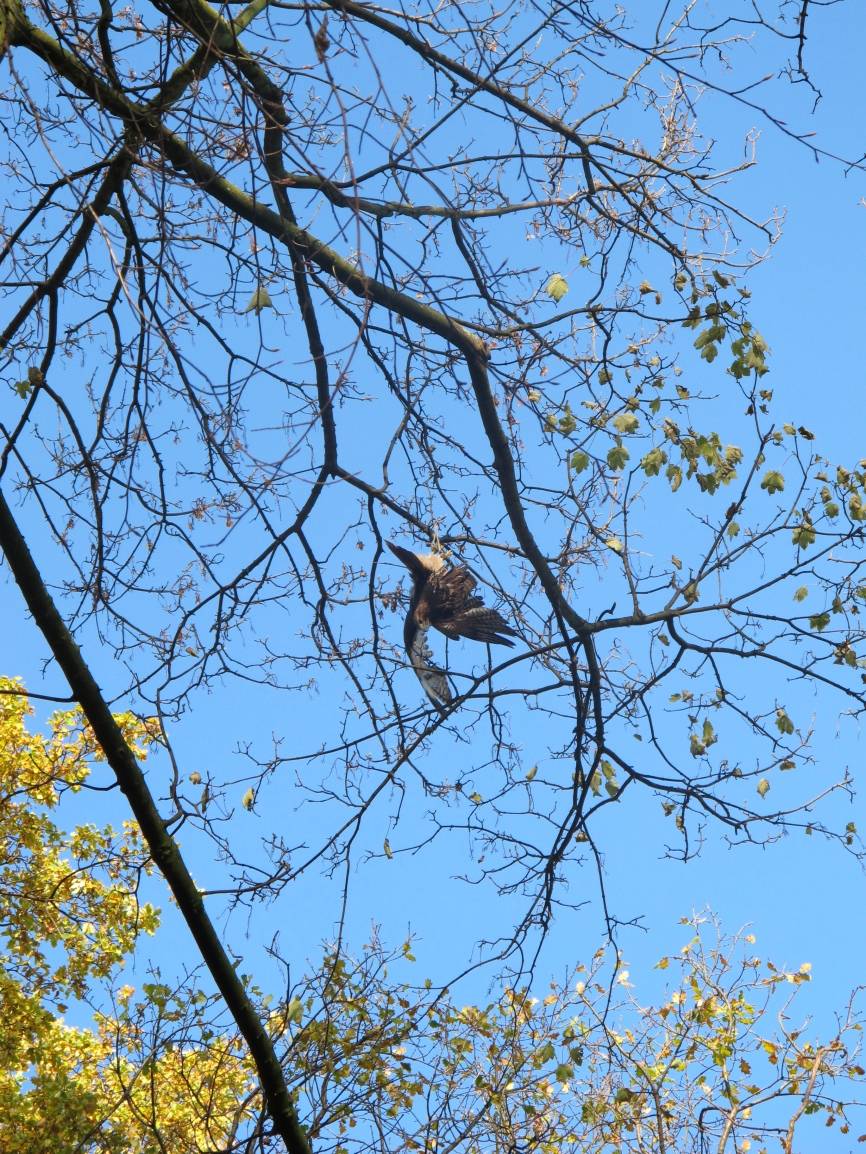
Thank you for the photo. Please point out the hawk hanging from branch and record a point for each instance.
(443, 597)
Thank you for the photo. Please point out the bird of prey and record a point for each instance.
(443, 597)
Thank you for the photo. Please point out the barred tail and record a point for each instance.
(433, 680)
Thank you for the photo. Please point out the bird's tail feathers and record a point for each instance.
(433, 679)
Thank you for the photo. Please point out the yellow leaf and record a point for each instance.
(261, 299)
(556, 287)
(691, 593)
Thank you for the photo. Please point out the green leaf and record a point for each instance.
(579, 460)
(157, 993)
(623, 1094)
(783, 722)
(617, 457)
(567, 423)
(802, 593)
(804, 535)
(773, 482)
(708, 337)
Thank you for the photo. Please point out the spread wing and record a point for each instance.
(433, 679)
(454, 610)
(478, 623)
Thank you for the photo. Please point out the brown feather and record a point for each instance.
(480, 624)
(443, 598)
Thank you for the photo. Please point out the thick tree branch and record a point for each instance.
(162, 846)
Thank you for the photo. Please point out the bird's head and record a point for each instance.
(418, 564)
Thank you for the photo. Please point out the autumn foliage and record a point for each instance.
(104, 1063)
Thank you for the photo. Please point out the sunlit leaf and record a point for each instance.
(617, 457)
(260, 300)
(773, 482)
(626, 422)
(556, 287)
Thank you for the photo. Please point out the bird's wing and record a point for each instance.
(433, 679)
(478, 623)
(454, 610)
(447, 594)
(452, 587)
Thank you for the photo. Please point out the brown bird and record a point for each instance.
(443, 597)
